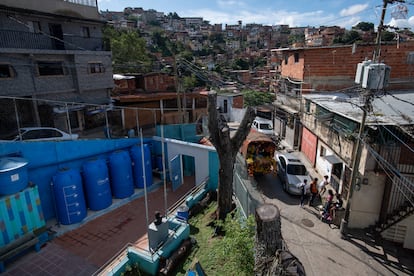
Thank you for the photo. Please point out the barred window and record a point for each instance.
(96, 68)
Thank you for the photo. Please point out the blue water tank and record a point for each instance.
(120, 170)
(136, 156)
(69, 196)
(97, 186)
(13, 175)
(158, 163)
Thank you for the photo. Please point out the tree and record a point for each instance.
(256, 98)
(364, 26)
(129, 53)
(227, 149)
(387, 36)
(348, 38)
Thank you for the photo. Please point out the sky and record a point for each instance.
(295, 13)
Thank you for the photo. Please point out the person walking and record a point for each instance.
(302, 188)
(313, 190)
(323, 184)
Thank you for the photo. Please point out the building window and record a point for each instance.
(296, 55)
(96, 68)
(225, 106)
(322, 151)
(50, 68)
(34, 26)
(6, 71)
(307, 106)
(410, 58)
(85, 32)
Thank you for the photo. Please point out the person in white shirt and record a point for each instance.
(322, 185)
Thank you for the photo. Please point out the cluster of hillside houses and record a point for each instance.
(54, 65)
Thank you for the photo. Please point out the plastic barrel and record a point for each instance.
(97, 186)
(182, 212)
(136, 157)
(158, 162)
(120, 170)
(13, 175)
(69, 197)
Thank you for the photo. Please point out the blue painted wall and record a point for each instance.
(46, 158)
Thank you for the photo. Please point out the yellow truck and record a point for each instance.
(258, 150)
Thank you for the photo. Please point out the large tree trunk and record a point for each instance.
(227, 149)
(268, 237)
(270, 257)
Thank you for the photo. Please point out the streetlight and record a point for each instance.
(355, 165)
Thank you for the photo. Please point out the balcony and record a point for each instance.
(28, 40)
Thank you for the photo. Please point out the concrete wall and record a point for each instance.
(366, 203)
(62, 7)
(200, 153)
(75, 79)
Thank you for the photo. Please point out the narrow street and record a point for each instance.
(321, 249)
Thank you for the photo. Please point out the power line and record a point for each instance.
(397, 98)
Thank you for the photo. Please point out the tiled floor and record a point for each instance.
(84, 250)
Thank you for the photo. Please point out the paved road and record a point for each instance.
(320, 247)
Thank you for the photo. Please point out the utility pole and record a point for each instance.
(368, 94)
(377, 51)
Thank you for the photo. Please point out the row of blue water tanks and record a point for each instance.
(97, 184)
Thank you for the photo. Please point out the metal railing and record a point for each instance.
(42, 41)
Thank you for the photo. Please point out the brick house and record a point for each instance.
(299, 71)
(333, 68)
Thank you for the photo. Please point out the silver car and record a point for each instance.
(292, 172)
(40, 134)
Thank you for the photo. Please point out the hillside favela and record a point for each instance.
(193, 141)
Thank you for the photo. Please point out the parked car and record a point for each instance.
(263, 125)
(291, 172)
(40, 134)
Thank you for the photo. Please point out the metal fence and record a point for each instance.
(243, 187)
(86, 120)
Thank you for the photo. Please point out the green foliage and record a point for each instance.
(173, 15)
(296, 38)
(236, 249)
(256, 98)
(387, 36)
(231, 254)
(129, 53)
(189, 82)
(348, 38)
(364, 26)
(240, 64)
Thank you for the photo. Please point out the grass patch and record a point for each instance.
(227, 254)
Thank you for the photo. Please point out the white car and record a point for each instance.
(40, 134)
(292, 172)
(263, 125)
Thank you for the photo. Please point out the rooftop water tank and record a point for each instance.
(13, 175)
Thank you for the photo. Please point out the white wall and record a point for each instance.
(323, 166)
(409, 236)
(199, 152)
(366, 203)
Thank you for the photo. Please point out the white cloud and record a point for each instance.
(402, 23)
(354, 9)
(266, 17)
(230, 3)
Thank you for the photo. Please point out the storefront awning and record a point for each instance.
(333, 159)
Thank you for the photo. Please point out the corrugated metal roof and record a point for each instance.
(394, 108)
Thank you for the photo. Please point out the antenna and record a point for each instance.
(400, 11)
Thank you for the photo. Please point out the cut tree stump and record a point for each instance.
(268, 237)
